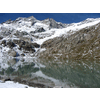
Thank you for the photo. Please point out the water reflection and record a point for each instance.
(77, 73)
(84, 74)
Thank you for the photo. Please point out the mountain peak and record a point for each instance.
(31, 18)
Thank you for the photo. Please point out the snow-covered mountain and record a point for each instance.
(24, 37)
(24, 40)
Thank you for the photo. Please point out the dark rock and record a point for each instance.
(16, 41)
(19, 42)
(6, 79)
(11, 44)
(33, 23)
(1, 38)
(22, 43)
(35, 45)
(3, 42)
(27, 47)
(22, 54)
(39, 30)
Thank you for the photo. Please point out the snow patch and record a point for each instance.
(11, 84)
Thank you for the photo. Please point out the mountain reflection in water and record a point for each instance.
(81, 73)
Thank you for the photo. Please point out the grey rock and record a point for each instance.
(12, 62)
(13, 53)
(53, 23)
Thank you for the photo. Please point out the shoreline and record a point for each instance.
(18, 81)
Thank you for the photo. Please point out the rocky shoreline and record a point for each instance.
(31, 83)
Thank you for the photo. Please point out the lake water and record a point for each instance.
(44, 73)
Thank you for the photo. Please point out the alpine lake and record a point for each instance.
(42, 73)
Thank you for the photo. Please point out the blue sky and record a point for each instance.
(60, 17)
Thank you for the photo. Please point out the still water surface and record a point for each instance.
(69, 73)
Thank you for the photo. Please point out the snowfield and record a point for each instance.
(11, 84)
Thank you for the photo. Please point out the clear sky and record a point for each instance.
(60, 17)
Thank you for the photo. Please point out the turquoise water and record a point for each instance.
(81, 74)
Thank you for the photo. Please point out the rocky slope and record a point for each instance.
(83, 44)
(29, 37)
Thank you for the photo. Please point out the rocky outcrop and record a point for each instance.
(39, 30)
(20, 34)
(26, 45)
